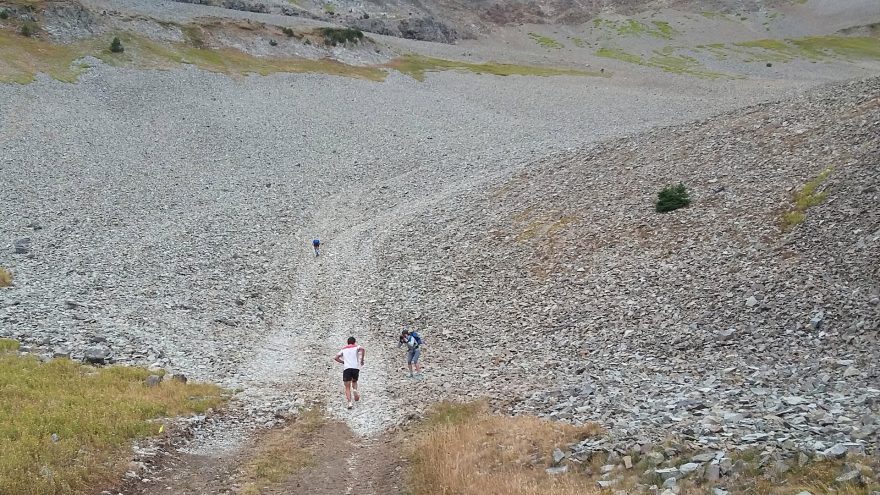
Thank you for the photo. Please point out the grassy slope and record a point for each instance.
(95, 414)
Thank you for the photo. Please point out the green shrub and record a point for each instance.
(273, 43)
(672, 198)
(29, 28)
(334, 36)
(288, 31)
(116, 46)
(4, 14)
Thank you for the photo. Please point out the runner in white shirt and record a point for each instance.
(352, 358)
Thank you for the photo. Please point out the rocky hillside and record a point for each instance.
(560, 291)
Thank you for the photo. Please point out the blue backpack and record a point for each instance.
(417, 337)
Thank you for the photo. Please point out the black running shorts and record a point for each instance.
(350, 374)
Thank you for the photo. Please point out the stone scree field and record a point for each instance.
(560, 292)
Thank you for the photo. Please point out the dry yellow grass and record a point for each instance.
(94, 413)
(5, 277)
(281, 453)
(464, 449)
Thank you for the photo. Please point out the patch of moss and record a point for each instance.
(417, 66)
(805, 198)
(665, 30)
(545, 41)
(578, 42)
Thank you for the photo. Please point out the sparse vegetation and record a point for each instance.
(273, 43)
(464, 449)
(329, 8)
(5, 277)
(66, 428)
(805, 198)
(4, 14)
(663, 60)
(21, 59)
(116, 46)
(7, 345)
(545, 41)
(28, 28)
(672, 198)
(280, 453)
(288, 32)
(416, 66)
(335, 36)
(634, 27)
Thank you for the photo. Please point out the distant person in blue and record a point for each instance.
(413, 343)
(317, 245)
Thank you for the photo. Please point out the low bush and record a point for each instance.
(29, 28)
(116, 46)
(672, 198)
(4, 14)
(273, 43)
(335, 36)
(288, 31)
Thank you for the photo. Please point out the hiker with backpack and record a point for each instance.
(413, 343)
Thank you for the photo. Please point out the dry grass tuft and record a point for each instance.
(5, 277)
(95, 413)
(281, 453)
(464, 449)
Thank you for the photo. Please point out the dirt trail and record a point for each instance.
(353, 453)
(341, 462)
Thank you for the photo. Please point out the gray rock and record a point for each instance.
(704, 457)
(153, 380)
(22, 246)
(751, 302)
(713, 473)
(627, 462)
(558, 455)
(96, 355)
(557, 470)
(667, 473)
(688, 468)
(603, 484)
(850, 477)
(816, 320)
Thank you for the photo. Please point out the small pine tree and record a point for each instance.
(116, 46)
(672, 198)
